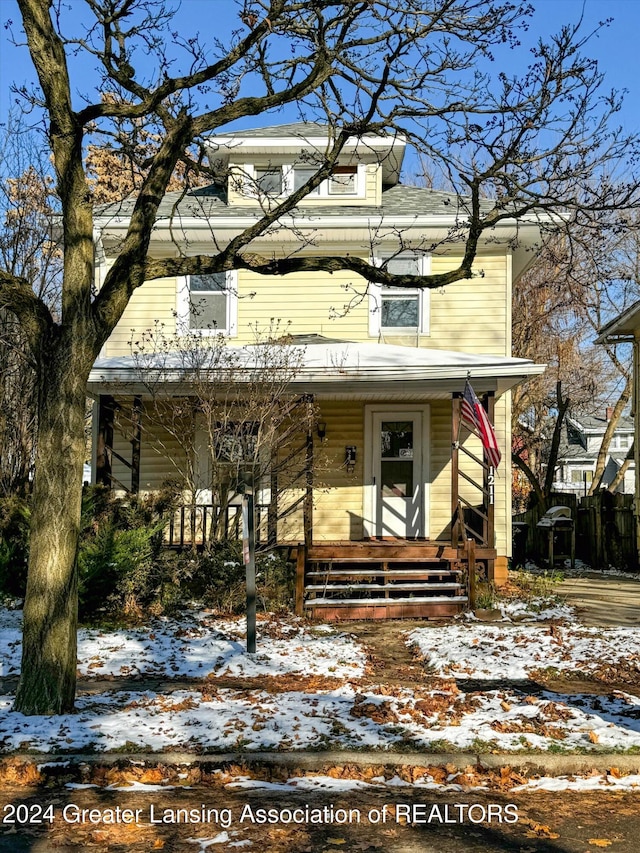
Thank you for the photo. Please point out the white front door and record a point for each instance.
(397, 490)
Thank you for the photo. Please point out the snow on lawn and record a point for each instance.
(533, 610)
(499, 652)
(226, 720)
(593, 782)
(198, 645)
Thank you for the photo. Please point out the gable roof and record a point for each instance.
(594, 425)
(622, 328)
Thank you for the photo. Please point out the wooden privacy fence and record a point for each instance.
(605, 530)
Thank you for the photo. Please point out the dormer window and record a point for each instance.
(269, 181)
(302, 174)
(274, 182)
(343, 180)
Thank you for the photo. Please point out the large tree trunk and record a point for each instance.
(49, 651)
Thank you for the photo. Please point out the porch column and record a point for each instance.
(489, 488)
(106, 413)
(136, 422)
(635, 408)
(495, 573)
(456, 526)
(308, 498)
(272, 511)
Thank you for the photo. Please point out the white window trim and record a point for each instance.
(183, 313)
(375, 303)
(322, 191)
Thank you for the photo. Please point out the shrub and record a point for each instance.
(14, 545)
(217, 576)
(120, 564)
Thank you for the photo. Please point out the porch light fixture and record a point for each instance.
(322, 430)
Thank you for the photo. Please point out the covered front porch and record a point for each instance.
(393, 501)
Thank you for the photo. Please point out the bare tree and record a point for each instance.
(529, 144)
(586, 274)
(28, 250)
(237, 413)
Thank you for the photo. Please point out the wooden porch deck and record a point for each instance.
(387, 579)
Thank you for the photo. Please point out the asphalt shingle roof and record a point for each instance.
(304, 129)
(211, 201)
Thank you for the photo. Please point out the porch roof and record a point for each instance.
(327, 366)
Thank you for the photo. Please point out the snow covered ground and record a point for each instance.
(281, 713)
(227, 720)
(200, 645)
(515, 652)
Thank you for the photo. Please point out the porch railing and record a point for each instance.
(190, 525)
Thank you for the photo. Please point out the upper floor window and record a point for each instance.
(302, 174)
(274, 181)
(269, 181)
(343, 180)
(400, 309)
(207, 304)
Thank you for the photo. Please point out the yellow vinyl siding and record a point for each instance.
(162, 454)
(439, 522)
(472, 315)
(337, 512)
(309, 303)
(154, 302)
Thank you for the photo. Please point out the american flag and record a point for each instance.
(475, 419)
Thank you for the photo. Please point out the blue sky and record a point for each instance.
(615, 47)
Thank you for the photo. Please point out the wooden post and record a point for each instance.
(301, 559)
(456, 525)
(272, 511)
(471, 572)
(106, 414)
(490, 526)
(249, 556)
(635, 407)
(136, 420)
(308, 498)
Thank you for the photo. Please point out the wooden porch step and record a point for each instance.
(372, 602)
(380, 586)
(382, 558)
(357, 551)
(388, 573)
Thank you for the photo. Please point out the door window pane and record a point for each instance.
(397, 478)
(396, 439)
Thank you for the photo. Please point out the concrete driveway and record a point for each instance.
(603, 600)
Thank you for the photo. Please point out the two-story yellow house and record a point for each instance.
(380, 529)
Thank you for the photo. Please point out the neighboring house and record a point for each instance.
(383, 368)
(626, 329)
(578, 454)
